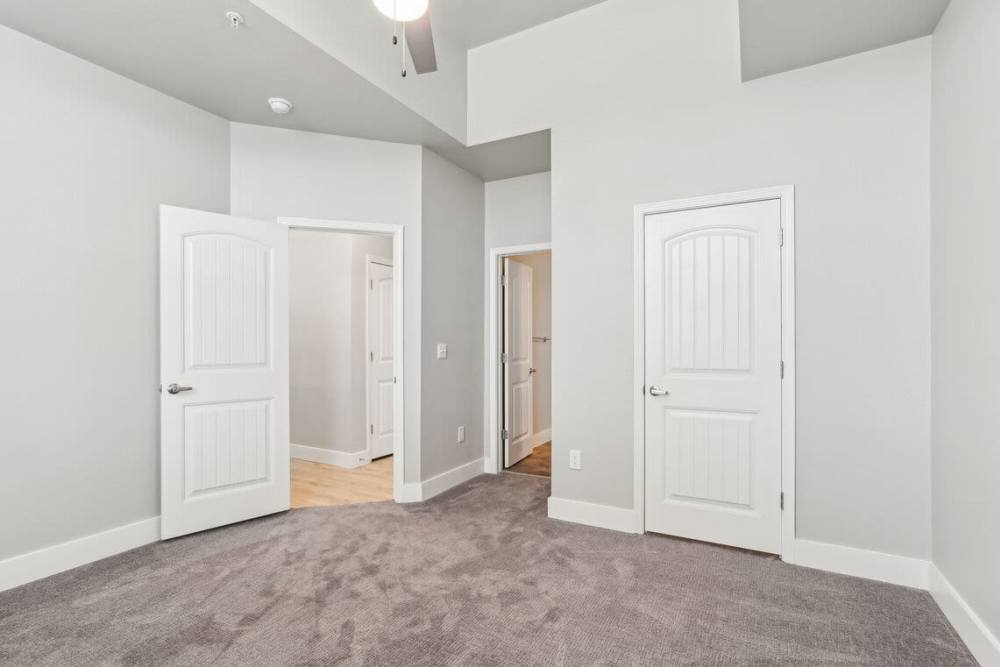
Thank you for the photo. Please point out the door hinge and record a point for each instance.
(781, 236)
(503, 279)
(503, 357)
(371, 429)
(503, 434)
(782, 500)
(781, 369)
(371, 284)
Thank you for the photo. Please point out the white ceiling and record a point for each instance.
(475, 22)
(781, 35)
(187, 50)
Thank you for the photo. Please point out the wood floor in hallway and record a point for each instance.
(539, 462)
(321, 485)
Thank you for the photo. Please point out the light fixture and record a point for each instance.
(235, 19)
(280, 105)
(402, 10)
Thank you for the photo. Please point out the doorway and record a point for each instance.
(521, 403)
(225, 366)
(714, 435)
(340, 367)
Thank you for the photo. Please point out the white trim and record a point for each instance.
(369, 432)
(42, 563)
(541, 437)
(491, 420)
(331, 457)
(450, 479)
(979, 639)
(621, 519)
(890, 568)
(786, 194)
(399, 494)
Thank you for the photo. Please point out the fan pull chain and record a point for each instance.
(404, 52)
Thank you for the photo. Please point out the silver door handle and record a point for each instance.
(176, 389)
(657, 391)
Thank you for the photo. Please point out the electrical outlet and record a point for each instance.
(574, 459)
(442, 351)
(461, 434)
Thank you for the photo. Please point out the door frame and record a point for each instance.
(494, 375)
(786, 195)
(399, 494)
(369, 260)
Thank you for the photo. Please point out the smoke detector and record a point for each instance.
(235, 19)
(280, 105)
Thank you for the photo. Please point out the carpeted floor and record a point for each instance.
(478, 576)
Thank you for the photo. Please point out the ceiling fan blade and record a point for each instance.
(421, 43)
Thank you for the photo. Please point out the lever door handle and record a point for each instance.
(176, 389)
(532, 371)
(657, 391)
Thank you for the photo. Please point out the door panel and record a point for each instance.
(518, 381)
(713, 341)
(381, 381)
(224, 334)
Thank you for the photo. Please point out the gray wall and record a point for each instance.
(519, 210)
(453, 282)
(327, 338)
(86, 158)
(662, 114)
(965, 306)
(286, 173)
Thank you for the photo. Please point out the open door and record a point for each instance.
(381, 379)
(223, 370)
(517, 326)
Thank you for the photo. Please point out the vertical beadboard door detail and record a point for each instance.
(713, 345)
(223, 368)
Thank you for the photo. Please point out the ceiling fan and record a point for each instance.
(417, 36)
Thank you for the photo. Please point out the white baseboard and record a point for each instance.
(591, 514)
(984, 645)
(900, 570)
(450, 479)
(541, 438)
(45, 562)
(329, 456)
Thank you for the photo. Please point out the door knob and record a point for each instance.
(657, 391)
(532, 371)
(176, 389)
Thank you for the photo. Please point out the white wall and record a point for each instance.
(454, 283)
(86, 158)
(327, 343)
(541, 276)
(286, 173)
(519, 210)
(965, 281)
(658, 112)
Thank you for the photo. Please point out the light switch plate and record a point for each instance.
(442, 351)
(461, 434)
(574, 459)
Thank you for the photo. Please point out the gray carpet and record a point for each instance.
(478, 576)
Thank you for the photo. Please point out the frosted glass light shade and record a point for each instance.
(402, 10)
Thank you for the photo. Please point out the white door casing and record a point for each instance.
(517, 348)
(381, 380)
(223, 333)
(713, 342)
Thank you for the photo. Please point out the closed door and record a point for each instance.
(517, 350)
(381, 382)
(223, 369)
(713, 377)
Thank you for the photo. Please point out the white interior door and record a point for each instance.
(223, 369)
(381, 380)
(713, 353)
(517, 318)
